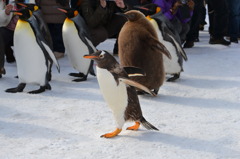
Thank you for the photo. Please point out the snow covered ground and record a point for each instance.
(198, 116)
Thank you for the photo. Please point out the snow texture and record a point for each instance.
(198, 116)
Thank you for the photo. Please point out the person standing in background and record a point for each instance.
(8, 23)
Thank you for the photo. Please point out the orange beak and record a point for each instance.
(90, 56)
(62, 10)
(23, 5)
(18, 13)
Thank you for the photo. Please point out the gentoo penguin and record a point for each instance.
(139, 47)
(37, 13)
(77, 43)
(33, 56)
(173, 66)
(119, 93)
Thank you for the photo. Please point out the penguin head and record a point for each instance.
(149, 9)
(24, 14)
(103, 59)
(30, 6)
(132, 15)
(70, 13)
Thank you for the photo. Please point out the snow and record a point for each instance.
(198, 115)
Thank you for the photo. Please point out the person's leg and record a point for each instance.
(98, 35)
(56, 33)
(114, 27)
(192, 35)
(220, 18)
(7, 36)
(234, 20)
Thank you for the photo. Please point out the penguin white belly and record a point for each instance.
(115, 95)
(170, 65)
(30, 59)
(75, 48)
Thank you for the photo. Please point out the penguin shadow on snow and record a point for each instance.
(208, 83)
(200, 145)
(199, 102)
(35, 131)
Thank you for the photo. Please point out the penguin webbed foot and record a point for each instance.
(175, 77)
(19, 88)
(134, 127)
(77, 74)
(84, 78)
(112, 134)
(41, 89)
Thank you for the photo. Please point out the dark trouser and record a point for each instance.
(234, 18)
(218, 18)
(195, 21)
(6, 41)
(56, 33)
(111, 30)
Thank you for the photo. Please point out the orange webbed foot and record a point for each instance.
(134, 127)
(112, 134)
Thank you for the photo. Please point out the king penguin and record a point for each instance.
(37, 13)
(33, 56)
(139, 47)
(119, 92)
(77, 43)
(173, 66)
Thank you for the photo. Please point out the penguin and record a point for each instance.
(139, 47)
(119, 92)
(34, 57)
(173, 66)
(37, 13)
(77, 43)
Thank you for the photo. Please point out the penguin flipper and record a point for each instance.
(179, 48)
(134, 71)
(51, 55)
(157, 45)
(137, 85)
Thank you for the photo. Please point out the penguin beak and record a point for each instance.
(143, 8)
(90, 57)
(22, 4)
(16, 12)
(62, 10)
(121, 14)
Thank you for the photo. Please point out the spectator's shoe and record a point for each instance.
(10, 59)
(58, 55)
(221, 41)
(2, 72)
(188, 44)
(196, 40)
(234, 40)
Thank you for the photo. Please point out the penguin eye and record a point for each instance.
(101, 56)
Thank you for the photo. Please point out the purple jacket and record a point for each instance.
(166, 5)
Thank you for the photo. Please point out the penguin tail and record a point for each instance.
(147, 125)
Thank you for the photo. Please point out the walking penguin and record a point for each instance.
(119, 92)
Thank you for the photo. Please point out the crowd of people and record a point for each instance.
(186, 16)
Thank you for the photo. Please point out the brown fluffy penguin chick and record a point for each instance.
(139, 47)
(119, 93)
